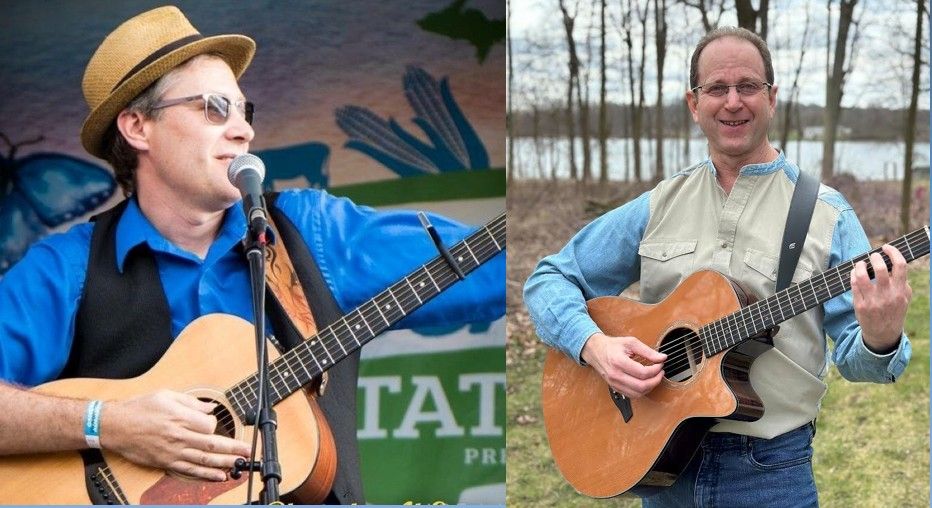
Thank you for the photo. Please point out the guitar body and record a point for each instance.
(601, 454)
(213, 353)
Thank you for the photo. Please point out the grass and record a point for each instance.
(872, 443)
(872, 446)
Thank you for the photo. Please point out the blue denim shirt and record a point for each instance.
(359, 251)
(557, 290)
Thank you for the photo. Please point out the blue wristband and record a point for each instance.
(92, 423)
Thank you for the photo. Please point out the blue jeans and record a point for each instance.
(731, 470)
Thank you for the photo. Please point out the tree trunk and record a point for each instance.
(639, 107)
(603, 120)
(634, 110)
(748, 16)
(794, 90)
(834, 89)
(910, 130)
(573, 63)
(660, 22)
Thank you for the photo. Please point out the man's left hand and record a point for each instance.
(880, 306)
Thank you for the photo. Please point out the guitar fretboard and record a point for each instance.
(316, 354)
(798, 298)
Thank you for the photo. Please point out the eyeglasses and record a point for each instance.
(745, 88)
(216, 107)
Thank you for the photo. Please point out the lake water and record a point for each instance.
(866, 160)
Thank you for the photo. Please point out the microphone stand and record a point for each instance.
(264, 416)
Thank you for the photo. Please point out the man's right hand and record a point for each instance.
(170, 430)
(612, 358)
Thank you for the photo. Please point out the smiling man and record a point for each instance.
(107, 299)
(726, 214)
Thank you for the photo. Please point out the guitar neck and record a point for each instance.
(299, 366)
(798, 298)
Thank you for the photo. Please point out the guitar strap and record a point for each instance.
(282, 281)
(797, 225)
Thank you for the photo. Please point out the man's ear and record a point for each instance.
(773, 99)
(132, 124)
(692, 104)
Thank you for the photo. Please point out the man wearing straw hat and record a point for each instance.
(721, 214)
(106, 299)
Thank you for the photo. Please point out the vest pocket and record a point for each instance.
(664, 250)
(761, 264)
(664, 264)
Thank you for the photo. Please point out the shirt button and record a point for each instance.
(724, 245)
(664, 255)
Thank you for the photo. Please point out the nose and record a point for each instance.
(238, 128)
(733, 99)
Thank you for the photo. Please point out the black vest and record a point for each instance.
(127, 343)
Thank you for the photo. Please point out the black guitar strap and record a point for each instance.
(797, 225)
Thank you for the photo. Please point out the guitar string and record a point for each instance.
(340, 336)
(353, 318)
(731, 325)
(739, 318)
(494, 231)
(365, 312)
(733, 328)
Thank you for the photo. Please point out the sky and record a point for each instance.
(880, 75)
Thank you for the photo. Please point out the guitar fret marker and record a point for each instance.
(383, 315)
(365, 322)
(351, 331)
(396, 302)
(414, 290)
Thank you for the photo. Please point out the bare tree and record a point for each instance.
(660, 41)
(705, 7)
(910, 130)
(569, 23)
(603, 116)
(794, 89)
(748, 16)
(834, 87)
(639, 107)
(634, 123)
(582, 104)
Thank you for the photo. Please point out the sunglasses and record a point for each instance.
(216, 107)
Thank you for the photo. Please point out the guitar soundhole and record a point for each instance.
(684, 354)
(225, 424)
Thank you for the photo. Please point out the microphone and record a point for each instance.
(246, 173)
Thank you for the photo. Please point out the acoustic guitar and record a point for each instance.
(605, 444)
(214, 359)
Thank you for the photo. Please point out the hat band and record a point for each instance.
(159, 53)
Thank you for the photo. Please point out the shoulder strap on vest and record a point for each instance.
(797, 225)
(340, 403)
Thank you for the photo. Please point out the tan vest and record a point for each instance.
(693, 226)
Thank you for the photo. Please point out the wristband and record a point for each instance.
(92, 423)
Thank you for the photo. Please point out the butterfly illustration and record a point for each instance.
(42, 191)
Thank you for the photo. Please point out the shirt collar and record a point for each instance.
(135, 229)
(760, 169)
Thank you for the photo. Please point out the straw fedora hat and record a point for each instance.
(137, 54)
